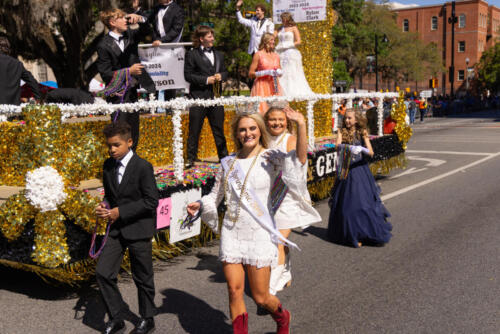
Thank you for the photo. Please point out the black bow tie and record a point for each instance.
(121, 38)
(164, 6)
(209, 50)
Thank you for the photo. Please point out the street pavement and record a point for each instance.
(440, 273)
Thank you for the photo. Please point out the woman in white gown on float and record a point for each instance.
(293, 81)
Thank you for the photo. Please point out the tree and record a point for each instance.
(64, 33)
(488, 69)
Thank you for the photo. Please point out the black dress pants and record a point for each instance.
(215, 117)
(108, 266)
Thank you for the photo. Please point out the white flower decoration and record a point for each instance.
(45, 188)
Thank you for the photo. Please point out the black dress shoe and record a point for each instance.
(145, 326)
(188, 164)
(114, 327)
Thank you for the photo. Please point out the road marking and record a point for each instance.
(449, 152)
(409, 171)
(436, 178)
(431, 162)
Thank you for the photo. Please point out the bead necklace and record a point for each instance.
(242, 193)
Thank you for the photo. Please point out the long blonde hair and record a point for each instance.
(289, 18)
(264, 40)
(264, 135)
(289, 125)
(360, 126)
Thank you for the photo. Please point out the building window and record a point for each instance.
(461, 75)
(461, 46)
(481, 46)
(406, 25)
(434, 23)
(461, 21)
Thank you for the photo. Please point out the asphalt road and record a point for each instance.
(439, 274)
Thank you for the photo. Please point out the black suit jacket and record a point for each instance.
(136, 198)
(173, 22)
(197, 68)
(11, 72)
(111, 58)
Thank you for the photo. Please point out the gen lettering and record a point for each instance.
(324, 164)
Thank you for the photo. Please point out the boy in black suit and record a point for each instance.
(130, 201)
(203, 68)
(118, 51)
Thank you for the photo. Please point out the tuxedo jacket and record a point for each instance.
(256, 32)
(12, 71)
(136, 198)
(197, 68)
(110, 58)
(173, 23)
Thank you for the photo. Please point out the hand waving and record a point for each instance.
(293, 115)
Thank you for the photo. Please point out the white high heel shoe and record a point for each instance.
(286, 275)
(276, 274)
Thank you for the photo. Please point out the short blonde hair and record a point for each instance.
(107, 15)
(264, 135)
(265, 39)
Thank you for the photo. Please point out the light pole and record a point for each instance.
(452, 20)
(467, 75)
(384, 40)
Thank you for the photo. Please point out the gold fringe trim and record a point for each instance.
(384, 167)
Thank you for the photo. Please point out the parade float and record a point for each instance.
(46, 225)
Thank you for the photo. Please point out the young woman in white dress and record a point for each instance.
(293, 81)
(294, 211)
(249, 238)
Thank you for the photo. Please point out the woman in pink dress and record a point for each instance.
(266, 69)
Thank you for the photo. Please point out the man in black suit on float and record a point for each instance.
(204, 68)
(118, 51)
(13, 71)
(130, 201)
(167, 19)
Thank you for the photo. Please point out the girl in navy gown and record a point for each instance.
(357, 215)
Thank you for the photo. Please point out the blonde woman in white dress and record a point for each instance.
(293, 80)
(249, 237)
(295, 209)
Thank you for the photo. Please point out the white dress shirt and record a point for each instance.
(161, 14)
(256, 30)
(118, 39)
(210, 55)
(123, 165)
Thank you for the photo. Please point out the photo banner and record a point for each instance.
(301, 10)
(165, 65)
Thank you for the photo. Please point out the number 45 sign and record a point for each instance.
(163, 212)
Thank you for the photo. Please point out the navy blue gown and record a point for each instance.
(356, 211)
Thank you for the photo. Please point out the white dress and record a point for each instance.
(296, 209)
(246, 241)
(293, 80)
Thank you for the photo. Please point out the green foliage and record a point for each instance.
(488, 69)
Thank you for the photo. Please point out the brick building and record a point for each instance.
(477, 29)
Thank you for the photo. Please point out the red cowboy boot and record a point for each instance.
(282, 318)
(240, 324)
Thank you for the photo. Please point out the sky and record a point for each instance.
(436, 2)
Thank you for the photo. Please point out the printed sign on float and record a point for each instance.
(180, 200)
(163, 212)
(165, 65)
(301, 10)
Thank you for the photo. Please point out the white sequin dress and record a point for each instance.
(246, 241)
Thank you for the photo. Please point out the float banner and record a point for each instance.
(301, 10)
(180, 200)
(165, 65)
(321, 164)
